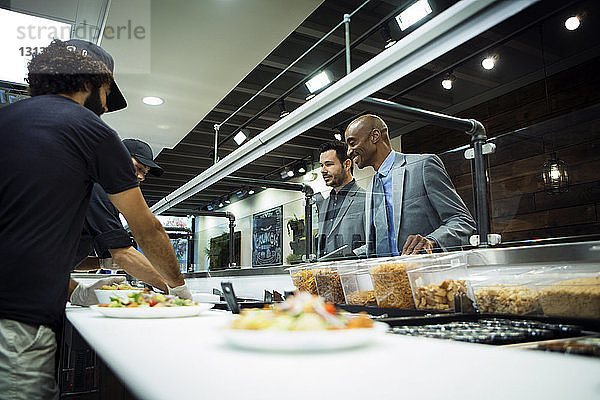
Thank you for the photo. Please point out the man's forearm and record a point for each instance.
(155, 244)
(134, 263)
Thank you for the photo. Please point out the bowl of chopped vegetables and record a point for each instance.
(120, 291)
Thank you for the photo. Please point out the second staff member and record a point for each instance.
(341, 215)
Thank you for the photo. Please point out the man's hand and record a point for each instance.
(181, 291)
(84, 295)
(415, 243)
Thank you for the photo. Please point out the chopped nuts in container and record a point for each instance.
(329, 286)
(575, 298)
(391, 285)
(507, 299)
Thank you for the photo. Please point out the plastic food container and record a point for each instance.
(435, 287)
(507, 290)
(575, 298)
(329, 285)
(303, 279)
(391, 285)
(507, 299)
(358, 286)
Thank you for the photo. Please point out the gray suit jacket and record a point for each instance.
(348, 228)
(424, 202)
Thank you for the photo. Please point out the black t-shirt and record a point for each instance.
(52, 150)
(102, 229)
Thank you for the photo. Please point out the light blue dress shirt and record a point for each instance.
(386, 178)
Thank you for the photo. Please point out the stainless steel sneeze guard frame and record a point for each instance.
(547, 254)
(461, 22)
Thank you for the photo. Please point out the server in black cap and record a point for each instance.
(104, 236)
(54, 148)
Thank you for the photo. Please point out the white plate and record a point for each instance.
(152, 312)
(273, 340)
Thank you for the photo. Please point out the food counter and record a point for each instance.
(186, 358)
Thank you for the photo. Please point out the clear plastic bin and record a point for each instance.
(575, 295)
(303, 279)
(391, 284)
(435, 287)
(329, 285)
(357, 285)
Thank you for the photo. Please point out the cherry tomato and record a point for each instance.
(330, 308)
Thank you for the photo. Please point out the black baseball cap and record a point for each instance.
(115, 100)
(143, 153)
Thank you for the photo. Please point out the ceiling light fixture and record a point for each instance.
(413, 14)
(283, 111)
(448, 81)
(240, 137)
(251, 191)
(319, 81)
(290, 173)
(387, 37)
(572, 23)
(311, 176)
(209, 207)
(489, 62)
(221, 204)
(152, 100)
(337, 137)
(227, 200)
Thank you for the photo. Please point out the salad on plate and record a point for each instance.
(148, 299)
(301, 312)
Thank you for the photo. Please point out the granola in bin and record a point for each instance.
(392, 286)
(304, 281)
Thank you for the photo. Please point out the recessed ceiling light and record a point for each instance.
(240, 137)
(572, 23)
(251, 191)
(488, 63)
(290, 173)
(301, 170)
(337, 136)
(152, 100)
(413, 14)
(319, 81)
(389, 43)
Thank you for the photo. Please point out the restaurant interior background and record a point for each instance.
(539, 102)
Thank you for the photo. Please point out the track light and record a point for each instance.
(227, 200)
(290, 173)
(283, 111)
(209, 207)
(251, 191)
(387, 37)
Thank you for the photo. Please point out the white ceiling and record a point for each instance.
(192, 54)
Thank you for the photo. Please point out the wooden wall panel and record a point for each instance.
(520, 208)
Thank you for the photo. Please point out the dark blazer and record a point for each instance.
(348, 228)
(424, 202)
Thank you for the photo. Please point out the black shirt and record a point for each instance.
(102, 229)
(335, 203)
(52, 151)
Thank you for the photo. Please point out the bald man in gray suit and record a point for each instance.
(411, 205)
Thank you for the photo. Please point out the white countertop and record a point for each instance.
(186, 358)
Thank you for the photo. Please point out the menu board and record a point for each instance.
(267, 237)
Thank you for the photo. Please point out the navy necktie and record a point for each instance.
(382, 243)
